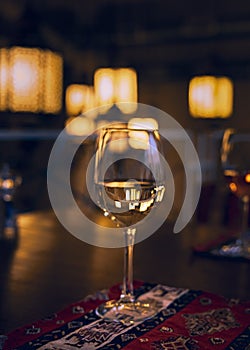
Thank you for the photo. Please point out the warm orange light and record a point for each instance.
(116, 86)
(80, 126)
(4, 77)
(233, 186)
(30, 80)
(247, 178)
(7, 184)
(104, 85)
(52, 82)
(126, 89)
(143, 123)
(79, 99)
(210, 97)
(24, 80)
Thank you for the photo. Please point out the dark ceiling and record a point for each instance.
(163, 39)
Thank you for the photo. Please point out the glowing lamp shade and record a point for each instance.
(30, 80)
(79, 99)
(116, 86)
(79, 126)
(210, 97)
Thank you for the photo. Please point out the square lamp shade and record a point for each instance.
(30, 80)
(80, 98)
(115, 86)
(210, 97)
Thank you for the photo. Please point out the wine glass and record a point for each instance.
(235, 159)
(129, 183)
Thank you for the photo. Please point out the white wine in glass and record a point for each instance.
(129, 183)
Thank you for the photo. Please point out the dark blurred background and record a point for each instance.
(166, 41)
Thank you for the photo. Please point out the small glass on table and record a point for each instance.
(235, 160)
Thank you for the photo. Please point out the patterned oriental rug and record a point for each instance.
(187, 320)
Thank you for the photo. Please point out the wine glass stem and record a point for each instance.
(245, 214)
(128, 289)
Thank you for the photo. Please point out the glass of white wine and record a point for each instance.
(129, 183)
(235, 159)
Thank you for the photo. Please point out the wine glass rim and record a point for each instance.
(116, 128)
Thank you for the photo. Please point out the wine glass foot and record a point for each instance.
(126, 312)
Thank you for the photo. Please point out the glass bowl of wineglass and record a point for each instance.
(235, 160)
(129, 183)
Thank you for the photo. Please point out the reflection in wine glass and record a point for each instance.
(129, 183)
(235, 161)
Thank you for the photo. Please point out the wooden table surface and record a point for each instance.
(47, 268)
